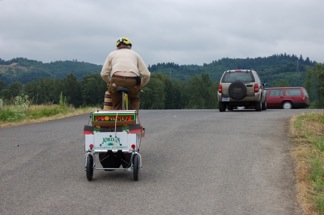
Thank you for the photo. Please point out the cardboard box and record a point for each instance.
(113, 118)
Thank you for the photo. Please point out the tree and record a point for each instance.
(15, 89)
(202, 92)
(319, 70)
(2, 85)
(153, 96)
(71, 90)
(314, 84)
(44, 91)
(93, 90)
(281, 83)
(209, 92)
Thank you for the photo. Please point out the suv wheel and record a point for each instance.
(237, 90)
(258, 105)
(221, 106)
(264, 105)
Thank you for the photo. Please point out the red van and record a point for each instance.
(287, 97)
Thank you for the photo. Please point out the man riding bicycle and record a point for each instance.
(125, 68)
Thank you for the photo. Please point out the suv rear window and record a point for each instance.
(245, 77)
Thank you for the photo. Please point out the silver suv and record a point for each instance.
(241, 87)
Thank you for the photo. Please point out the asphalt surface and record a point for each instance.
(194, 162)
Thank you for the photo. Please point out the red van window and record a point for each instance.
(276, 93)
(293, 92)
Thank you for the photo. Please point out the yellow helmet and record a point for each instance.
(123, 40)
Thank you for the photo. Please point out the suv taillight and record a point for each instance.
(220, 88)
(256, 88)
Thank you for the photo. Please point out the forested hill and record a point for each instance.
(290, 68)
(24, 70)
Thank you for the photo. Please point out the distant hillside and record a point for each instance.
(24, 70)
(288, 68)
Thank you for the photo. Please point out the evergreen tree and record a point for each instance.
(71, 89)
(202, 92)
(93, 90)
(153, 95)
(15, 89)
(314, 84)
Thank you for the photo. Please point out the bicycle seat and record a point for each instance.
(122, 89)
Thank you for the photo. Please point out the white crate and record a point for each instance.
(104, 141)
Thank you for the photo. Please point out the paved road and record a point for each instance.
(194, 162)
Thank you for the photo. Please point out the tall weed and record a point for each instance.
(21, 109)
(16, 112)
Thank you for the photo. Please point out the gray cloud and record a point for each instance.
(184, 32)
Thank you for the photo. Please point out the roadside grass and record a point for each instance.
(22, 112)
(16, 115)
(307, 133)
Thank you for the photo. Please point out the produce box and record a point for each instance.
(115, 118)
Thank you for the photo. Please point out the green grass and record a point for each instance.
(18, 113)
(14, 114)
(7, 115)
(22, 111)
(46, 112)
(308, 133)
(319, 143)
(317, 178)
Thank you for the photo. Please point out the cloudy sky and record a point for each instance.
(179, 31)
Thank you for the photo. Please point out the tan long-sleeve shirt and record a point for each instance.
(125, 60)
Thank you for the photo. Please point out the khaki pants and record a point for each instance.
(128, 82)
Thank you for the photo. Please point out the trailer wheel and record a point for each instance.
(136, 166)
(89, 167)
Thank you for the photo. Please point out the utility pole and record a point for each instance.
(297, 67)
(297, 71)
